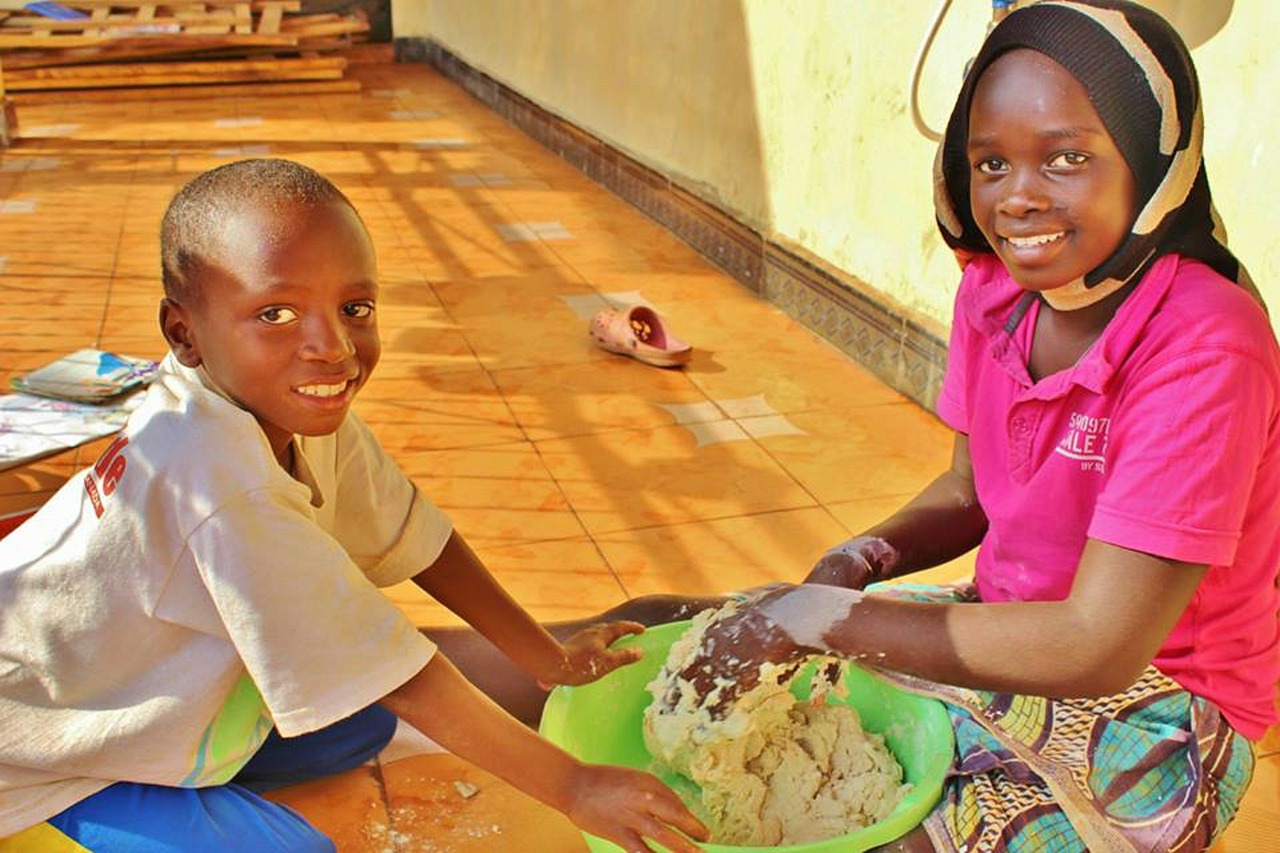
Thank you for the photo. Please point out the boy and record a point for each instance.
(214, 575)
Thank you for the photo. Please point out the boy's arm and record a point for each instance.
(459, 581)
(937, 525)
(612, 802)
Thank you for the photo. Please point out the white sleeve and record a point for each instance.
(389, 528)
(319, 640)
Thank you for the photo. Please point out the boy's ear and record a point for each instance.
(175, 324)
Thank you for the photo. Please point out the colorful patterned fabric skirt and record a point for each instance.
(1151, 769)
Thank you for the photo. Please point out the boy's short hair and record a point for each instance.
(194, 220)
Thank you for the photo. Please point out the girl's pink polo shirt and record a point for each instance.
(1163, 438)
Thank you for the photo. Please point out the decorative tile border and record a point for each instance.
(905, 354)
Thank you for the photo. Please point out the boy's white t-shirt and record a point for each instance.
(171, 604)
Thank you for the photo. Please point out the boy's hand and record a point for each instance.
(628, 806)
(586, 655)
(855, 564)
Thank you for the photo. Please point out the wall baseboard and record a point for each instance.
(902, 352)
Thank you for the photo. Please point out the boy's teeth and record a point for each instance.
(322, 390)
(1037, 240)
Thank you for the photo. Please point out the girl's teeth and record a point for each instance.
(1028, 242)
(322, 390)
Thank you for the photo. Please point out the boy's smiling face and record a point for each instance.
(1048, 188)
(284, 316)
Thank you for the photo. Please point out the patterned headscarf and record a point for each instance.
(1140, 78)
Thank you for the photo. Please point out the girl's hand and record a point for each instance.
(586, 655)
(627, 806)
(734, 646)
(855, 564)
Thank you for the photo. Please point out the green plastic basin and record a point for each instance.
(602, 723)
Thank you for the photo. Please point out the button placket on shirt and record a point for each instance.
(1023, 421)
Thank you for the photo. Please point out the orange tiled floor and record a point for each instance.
(581, 478)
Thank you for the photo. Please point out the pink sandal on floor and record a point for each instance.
(639, 332)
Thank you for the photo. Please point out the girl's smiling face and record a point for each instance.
(1048, 188)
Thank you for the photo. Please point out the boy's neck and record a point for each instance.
(288, 460)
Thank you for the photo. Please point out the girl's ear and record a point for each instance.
(175, 324)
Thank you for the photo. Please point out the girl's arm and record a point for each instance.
(937, 525)
(1122, 606)
(1096, 642)
(459, 581)
(622, 805)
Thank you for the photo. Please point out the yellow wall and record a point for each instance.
(666, 81)
(1240, 75)
(794, 114)
(851, 176)
(409, 18)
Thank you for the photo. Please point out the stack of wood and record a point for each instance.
(177, 47)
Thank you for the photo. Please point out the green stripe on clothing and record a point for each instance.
(231, 738)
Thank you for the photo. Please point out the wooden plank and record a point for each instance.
(186, 22)
(8, 121)
(223, 19)
(115, 70)
(206, 30)
(176, 41)
(96, 15)
(14, 42)
(334, 29)
(285, 5)
(85, 5)
(132, 50)
(269, 20)
(8, 113)
(172, 79)
(188, 92)
(316, 17)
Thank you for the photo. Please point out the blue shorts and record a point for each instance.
(133, 818)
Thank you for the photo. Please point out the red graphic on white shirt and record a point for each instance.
(107, 472)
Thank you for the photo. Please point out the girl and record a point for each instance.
(1114, 385)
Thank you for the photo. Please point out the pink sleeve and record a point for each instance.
(1183, 454)
(952, 407)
